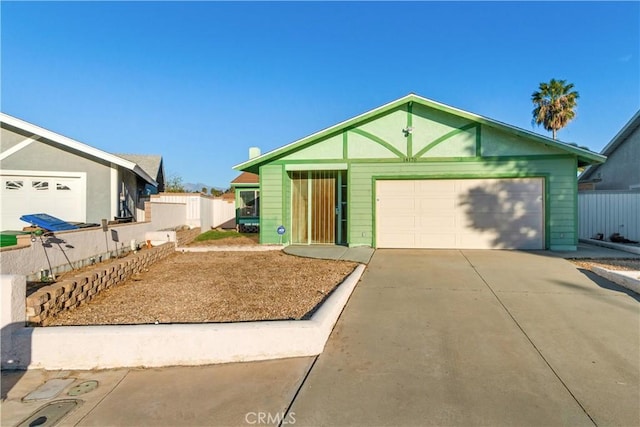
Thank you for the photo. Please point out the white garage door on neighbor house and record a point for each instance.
(61, 196)
(460, 213)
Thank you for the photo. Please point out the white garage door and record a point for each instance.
(460, 213)
(59, 196)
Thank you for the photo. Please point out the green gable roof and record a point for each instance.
(585, 157)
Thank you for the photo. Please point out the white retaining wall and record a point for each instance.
(609, 212)
(627, 279)
(101, 347)
(71, 247)
(13, 317)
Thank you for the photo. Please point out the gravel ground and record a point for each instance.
(611, 264)
(215, 287)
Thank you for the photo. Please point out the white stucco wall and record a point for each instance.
(202, 211)
(13, 317)
(168, 215)
(71, 247)
(181, 344)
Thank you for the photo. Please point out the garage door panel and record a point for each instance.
(501, 221)
(389, 189)
(59, 196)
(398, 205)
(464, 213)
(435, 204)
(436, 241)
(435, 223)
(399, 239)
(434, 186)
(398, 224)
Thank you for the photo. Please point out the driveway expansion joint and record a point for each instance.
(103, 397)
(555, 373)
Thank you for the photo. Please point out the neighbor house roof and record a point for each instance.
(151, 163)
(246, 178)
(584, 156)
(613, 145)
(72, 144)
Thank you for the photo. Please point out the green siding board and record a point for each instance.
(497, 142)
(271, 202)
(460, 144)
(389, 128)
(363, 147)
(327, 149)
(410, 124)
(449, 144)
(286, 206)
(430, 124)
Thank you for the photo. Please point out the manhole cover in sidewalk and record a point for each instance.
(49, 390)
(83, 388)
(49, 414)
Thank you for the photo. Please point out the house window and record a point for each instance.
(62, 187)
(13, 185)
(249, 203)
(40, 185)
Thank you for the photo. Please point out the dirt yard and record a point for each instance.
(215, 287)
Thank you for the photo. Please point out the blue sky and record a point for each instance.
(201, 82)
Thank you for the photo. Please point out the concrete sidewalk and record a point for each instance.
(218, 395)
(359, 254)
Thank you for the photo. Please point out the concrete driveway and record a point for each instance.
(463, 337)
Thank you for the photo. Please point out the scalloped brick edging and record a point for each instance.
(180, 344)
(75, 291)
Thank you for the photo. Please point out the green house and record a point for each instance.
(247, 195)
(415, 173)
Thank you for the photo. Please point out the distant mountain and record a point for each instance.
(190, 187)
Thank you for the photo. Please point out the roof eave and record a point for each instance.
(324, 132)
(623, 134)
(142, 174)
(586, 156)
(76, 145)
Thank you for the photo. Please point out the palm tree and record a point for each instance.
(555, 103)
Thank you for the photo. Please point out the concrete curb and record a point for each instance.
(627, 279)
(104, 347)
(612, 245)
(245, 248)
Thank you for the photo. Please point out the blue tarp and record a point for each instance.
(48, 222)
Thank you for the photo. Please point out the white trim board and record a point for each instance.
(18, 147)
(76, 145)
